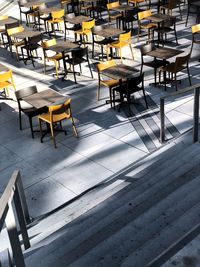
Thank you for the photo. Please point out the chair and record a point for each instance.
(195, 32)
(123, 41)
(38, 16)
(26, 108)
(13, 41)
(24, 10)
(5, 33)
(110, 83)
(136, 2)
(57, 17)
(172, 4)
(2, 30)
(6, 81)
(99, 7)
(173, 68)
(96, 39)
(142, 16)
(167, 27)
(192, 10)
(56, 114)
(79, 56)
(31, 46)
(114, 15)
(85, 31)
(55, 58)
(126, 89)
(85, 7)
(155, 64)
(129, 17)
(71, 27)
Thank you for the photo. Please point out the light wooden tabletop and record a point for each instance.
(164, 52)
(78, 19)
(120, 71)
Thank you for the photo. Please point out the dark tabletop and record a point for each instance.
(44, 98)
(120, 71)
(7, 21)
(78, 20)
(26, 33)
(48, 10)
(108, 32)
(164, 52)
(159, 17)
(33, 3)
(63, 46)
(122, 8)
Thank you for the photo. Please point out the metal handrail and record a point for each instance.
(14, 192)
(194, 88)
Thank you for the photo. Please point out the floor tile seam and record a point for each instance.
(180, 112)
(10, 165)
(62, 184)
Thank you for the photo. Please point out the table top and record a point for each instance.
(3, 68)
(159, 17)
(164, 52)
(108, 32)
(33, 3)
(7, 21)
(63, 46)
(78, 19)
(48, 10)
(44, 98)
(196, 3)
(26, 33)
(120, 71)
(122, 8)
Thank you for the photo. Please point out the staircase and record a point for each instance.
(140, 218)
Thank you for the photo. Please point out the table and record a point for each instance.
(9, 20)
(26, 33)
(44, 98)
(119, 72)
(33, 4)
(63, 47)
(164, 53)
(49, 10)
(109, 32)
(78, 19)
(122, 8)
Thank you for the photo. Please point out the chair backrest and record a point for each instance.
(125, 37)
(48, 43)
(144, 14)
(196, 28)
(3, 17)
(58, 14)
(87, 25)
(26, 92)
(147, 48)
(79, 52)
(15, 30)
(170, 22)
(35, 39)
(113, 5)
(182, 61)
(22, 2)
(12, 25)
(134, 81)
(105, 65)
(60, 108)
(129, 14)
(6, 76)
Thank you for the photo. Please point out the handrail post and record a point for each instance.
(14, 239)
(162, 120)
(196, 115)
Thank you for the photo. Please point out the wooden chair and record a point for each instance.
(123, 41)
(172, 4)
(110, 83)
(195, 32)
(23, 10)
(55, 58)
(114, 15)
(57, 18)
(56, 114)
(85, 31)
(13, 41)
(127, 88)
(71, 27)
(6, 81)
(2, 30)
(26, 108)
(144, 24)
(181, 63)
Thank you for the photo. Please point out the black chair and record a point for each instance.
(71, 27)
(39, 17)
(192, 10)
(168, 26)
(155, 63)
(27, 109)
(130, 86)
(24, 10)
(129, 17)
(5, 34)
(79, 56)
(97, 9)
(31, 46)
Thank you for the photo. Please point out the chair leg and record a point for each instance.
(74, 126)
(74, 73)
(189, 76)
(98, 90)
(176, 81)
(20, 120)
(31, 126)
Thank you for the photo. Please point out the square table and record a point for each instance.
(78, 19)
(109, 32)
(119, 72)
(9, 20)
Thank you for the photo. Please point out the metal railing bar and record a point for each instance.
(196, 115)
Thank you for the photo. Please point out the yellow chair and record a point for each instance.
(2, 29)
(85, 31)
(123, 41)
(55, 58)
(56, 114)
(57, 17)
(195, 31)
(147, 26)
(110, 83)
(6, 81)
(14, 41)
(114, 15)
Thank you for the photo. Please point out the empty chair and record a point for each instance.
(195, 35)
(192, 10)
(5, 33)
(129, 17)
(85, 31)
(171, 4)
(56, 114)
(126, 89)
(6, 81)
(55, 58)
(143, 23)
(13, 41)
(26, 108)
(2, 30)
(102, 80)
(79, 56)
(181, 63)
(57, 18)
(123, 41)
(71, 27)
(24, 10)
(114, 15)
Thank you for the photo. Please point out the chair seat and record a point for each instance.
(75, 61)
(118, 44)
(55, 57)
(115, 16)
(5, 84)
(85, 32)
(155, 63)
(173, 68)
(164, 30)
(58, 20)
(110, 83)
(149, 26)
(18, 43)
(56, 117)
